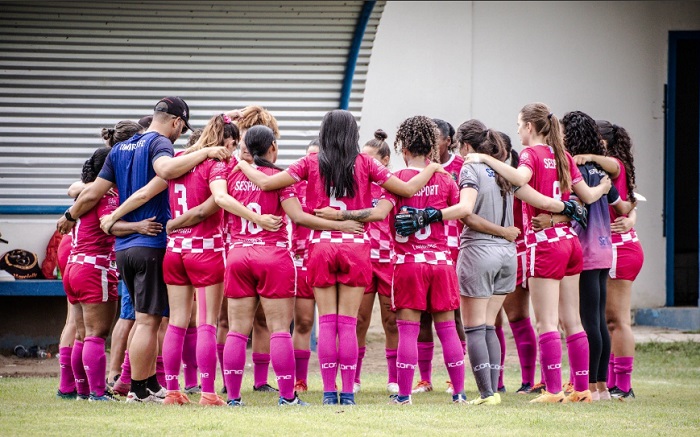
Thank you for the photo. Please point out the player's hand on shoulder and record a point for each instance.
(583, 158)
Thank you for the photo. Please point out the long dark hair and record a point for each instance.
(514, 157)
(546, 124)
(581, 134)
(491, 143)
(338, 150)
(258, 140)
(620, 146)
(94, 164)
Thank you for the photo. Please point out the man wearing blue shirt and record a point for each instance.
(131, 165)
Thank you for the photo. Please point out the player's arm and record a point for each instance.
(76, 188)
(591, 194)
(376, 214)
(413, 185)
(135, 201)
(148, 226)
(168, 167)
(610, 165)
(480, 224)
(409, 220)
(517, 176)
(194, 215)
(224, 200)
(87, 200)
(293, 209)
(264, 182)
(544, 221)
(622, 224)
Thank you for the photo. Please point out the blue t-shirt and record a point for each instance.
(596, 240)
(130, 166)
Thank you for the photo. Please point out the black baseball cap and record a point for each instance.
(174, 106)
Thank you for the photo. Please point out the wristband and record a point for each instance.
(109, 230)
(68, 216)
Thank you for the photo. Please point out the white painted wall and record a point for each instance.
(458, 60)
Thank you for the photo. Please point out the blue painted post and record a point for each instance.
(366, 12)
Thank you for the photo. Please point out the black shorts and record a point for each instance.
(141, 269)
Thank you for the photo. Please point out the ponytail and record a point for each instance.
(547, 125)
(492, 144)
(258, 140)
(619, 145)
(122, 131)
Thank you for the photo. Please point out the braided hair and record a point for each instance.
(418, 135)
(619, 145)
(94, 164)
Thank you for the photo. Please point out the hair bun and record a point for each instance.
(107, 133)
(380, 135)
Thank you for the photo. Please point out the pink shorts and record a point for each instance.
(344, 263)
(521, 261)
(555, 260)
(196, 269)
(304, 290)
(627, 261)
(454, 251)
(425, 287)
(265, 271)
(382, 274)
(87, 283)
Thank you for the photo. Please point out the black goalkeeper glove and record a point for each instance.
(411, 220)
(576, 212)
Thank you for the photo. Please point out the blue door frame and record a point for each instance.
(670, 159)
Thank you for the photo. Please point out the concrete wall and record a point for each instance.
(485, 60)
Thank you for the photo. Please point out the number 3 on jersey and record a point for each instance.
(253, 228)
(181, 191)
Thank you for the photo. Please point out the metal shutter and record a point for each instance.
(70, 68)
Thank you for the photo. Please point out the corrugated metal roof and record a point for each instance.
(68, 69)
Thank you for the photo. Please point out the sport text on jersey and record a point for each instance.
(245, 186)
(550, 163)
(428, 190)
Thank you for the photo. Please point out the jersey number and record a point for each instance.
(338, 204)
(556, 190)
(181, 199)
(253, 228)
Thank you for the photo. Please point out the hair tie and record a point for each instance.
(226, 118)
(111, 131)
(549, 116)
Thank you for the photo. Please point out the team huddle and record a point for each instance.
(216, 241)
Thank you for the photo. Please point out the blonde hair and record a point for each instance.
(214, 133)
(257, 116)
(546, 124)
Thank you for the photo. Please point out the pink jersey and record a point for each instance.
(541, 161)
(191, 190)
(380, 240)
(428, 245)
(87, 237)
(453, 227)
(300, 234)
(244, 233)
(367, 170)
(620, 183)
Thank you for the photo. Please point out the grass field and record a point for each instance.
(666, 378)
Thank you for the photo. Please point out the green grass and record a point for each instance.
(665, 381)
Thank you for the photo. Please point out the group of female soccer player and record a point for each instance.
(452, 240)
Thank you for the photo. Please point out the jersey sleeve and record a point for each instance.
(217, 171)
(386, 195)
(468, 177)
(107, 172)
(574, 171)
(528, 160)
(161, 146)
(378, 173)
(613, 195)
(288, 192)
(299, 170)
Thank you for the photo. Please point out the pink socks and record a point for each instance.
(408, 354)
(347, 351)
(206, 356)
(172, 355)
(391, 365)
(95, 364)
(189, 357)
(425, 360)
(360, 356)
(452, 353)
(234, 363)
(526, 345)
(261, 367)
(550, 359)
(502, 341)
(282, 356)
(126, 369)
(66, 382)
(577, 347)
(81, 381)
(623, 372)
(160, 371)
(328, 350)
(611, 372)
(301, 357)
